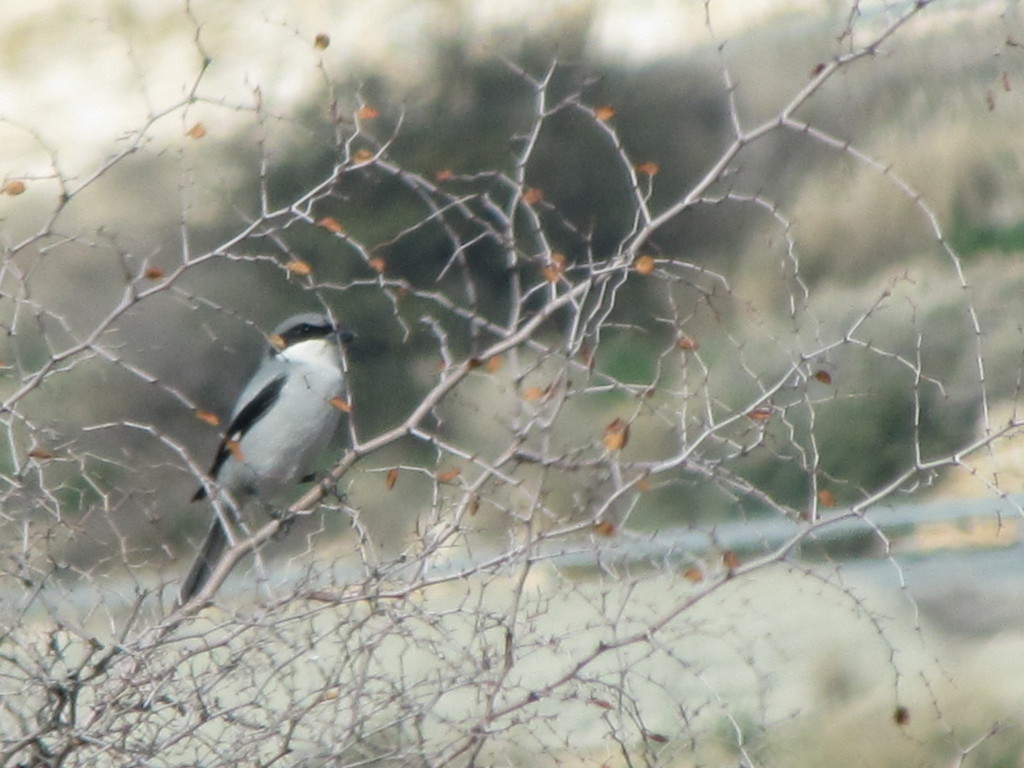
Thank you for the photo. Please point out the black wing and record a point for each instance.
(249, 415)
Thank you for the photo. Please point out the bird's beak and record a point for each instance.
(346, 336)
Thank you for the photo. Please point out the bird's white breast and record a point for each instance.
(283, 445)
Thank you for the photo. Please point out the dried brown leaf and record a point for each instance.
(236, 450)
(551, 273)
(331, 224)
(616, 435)
(208, 417)
(688, 343)
(532, 394)
(448, 476)
(763, 413)
(644, 265)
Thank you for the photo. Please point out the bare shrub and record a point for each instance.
(601, 498)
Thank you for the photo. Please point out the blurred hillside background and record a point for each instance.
(144, 142)
(939, 109)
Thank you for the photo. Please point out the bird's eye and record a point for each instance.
(304, 331)
(308, 329)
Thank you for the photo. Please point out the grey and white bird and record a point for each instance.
(281, 424)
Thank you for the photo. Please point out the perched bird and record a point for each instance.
(282, 422)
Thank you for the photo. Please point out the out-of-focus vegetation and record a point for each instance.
(837, 240)
(941, 109)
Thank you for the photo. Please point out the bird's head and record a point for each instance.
(306, 327)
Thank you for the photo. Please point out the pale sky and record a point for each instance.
(75, 75)
(80, 72)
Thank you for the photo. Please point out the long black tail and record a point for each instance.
(202, 567)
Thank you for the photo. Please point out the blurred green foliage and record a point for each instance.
(473, 117)
(854, 232)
